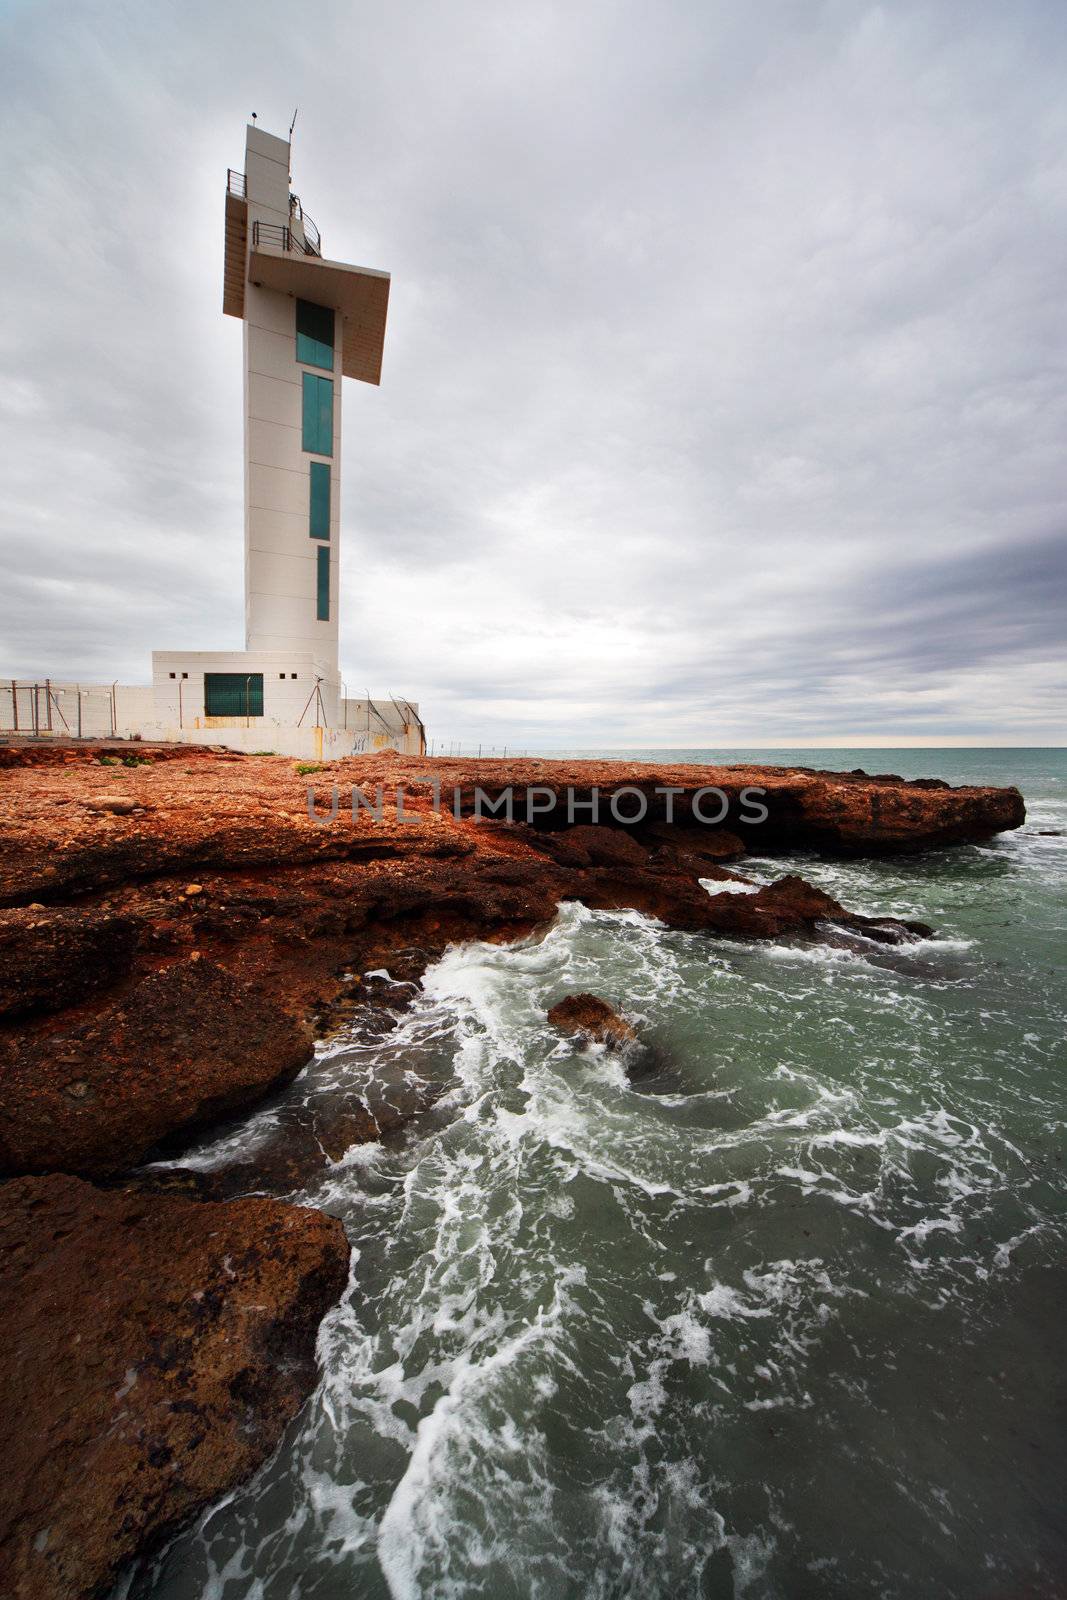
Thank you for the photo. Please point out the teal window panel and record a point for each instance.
(309, 416)
(319, 515)
(325, 417)
(317, 415)
(314, 335)
(322, 612)
(233, 694)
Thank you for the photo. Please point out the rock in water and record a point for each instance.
(593, 1018)
(155, 1348)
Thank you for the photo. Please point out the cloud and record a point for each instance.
(723, 398)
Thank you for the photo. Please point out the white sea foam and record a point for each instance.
(722, 1301)
(418, 1525)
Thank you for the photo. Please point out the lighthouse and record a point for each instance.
(309, 324)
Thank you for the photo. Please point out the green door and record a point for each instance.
(233, 694)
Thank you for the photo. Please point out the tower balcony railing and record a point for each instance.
(275, 236)
(311, 233)
(236, 184)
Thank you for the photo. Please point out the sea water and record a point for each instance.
(785, 1319)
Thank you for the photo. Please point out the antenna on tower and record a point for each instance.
(292, 124)
(253, 116)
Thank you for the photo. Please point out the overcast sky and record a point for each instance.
(723, 398)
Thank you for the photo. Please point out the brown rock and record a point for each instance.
(185, 1046)
(592, 1018)
(606, 847)
(51, 958)
(840, 812)
(120, 805)
(154, 1349)
(706, 844)
(791, 905)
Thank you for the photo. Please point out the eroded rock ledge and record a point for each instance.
(153, 1349)
(161, 955)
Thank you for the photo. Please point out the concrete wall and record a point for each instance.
(260, 736)
(173, 711)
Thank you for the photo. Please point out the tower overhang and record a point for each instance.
(360, 296)
(233, 274)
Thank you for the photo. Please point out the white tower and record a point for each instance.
(308, 323)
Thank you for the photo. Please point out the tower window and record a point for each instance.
(314, 335)
(319, 518)
(317, 416)
(322, 556)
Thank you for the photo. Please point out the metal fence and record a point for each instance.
(275, 236)
(65, 710)
(480, 752)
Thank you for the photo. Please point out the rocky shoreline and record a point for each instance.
(173, 936)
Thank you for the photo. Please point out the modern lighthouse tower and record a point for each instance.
(309, 323)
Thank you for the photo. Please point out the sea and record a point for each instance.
(786, 1318)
